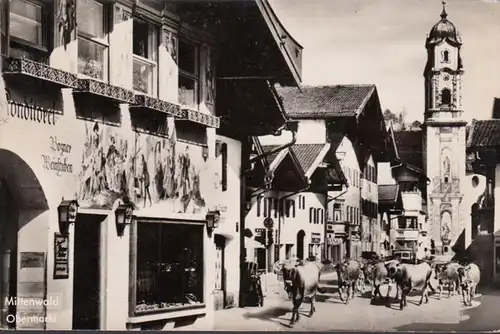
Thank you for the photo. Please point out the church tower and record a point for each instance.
(444, 133)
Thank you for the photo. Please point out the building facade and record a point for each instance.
(119, 179)
(349, 118)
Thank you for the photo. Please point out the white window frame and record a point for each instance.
(99, 41)
(192, 76)
(153, 59)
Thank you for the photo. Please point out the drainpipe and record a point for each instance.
(292, 126)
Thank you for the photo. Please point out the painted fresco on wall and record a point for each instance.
(106, 162)
(148, 171)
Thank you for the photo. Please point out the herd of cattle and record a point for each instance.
(302, 278)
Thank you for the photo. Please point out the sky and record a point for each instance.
(382, 42)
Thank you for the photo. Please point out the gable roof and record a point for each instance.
(484, 133)
(308, 154)
(409, 147)
(313, 102)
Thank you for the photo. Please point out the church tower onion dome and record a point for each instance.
(444, 30)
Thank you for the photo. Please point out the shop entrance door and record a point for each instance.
(86, 276)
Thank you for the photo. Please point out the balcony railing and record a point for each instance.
(406, 234)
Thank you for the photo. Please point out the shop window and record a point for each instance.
(29, 29)
(92, 39)
(311, 251)
(260, 255)
(145, 63)
(168, 255)
(188, 74)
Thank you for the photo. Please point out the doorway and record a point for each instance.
(220, 270)
(8, 260)
(300, 244)
(86, 275)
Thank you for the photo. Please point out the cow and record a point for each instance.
(447, 274)
(469, 277)
(410, 277)
(380, 275)
(302, 280)
(348, 273)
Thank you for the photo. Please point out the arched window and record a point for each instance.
(446, 97)
(446, 56)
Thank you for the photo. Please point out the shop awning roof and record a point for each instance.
(390, 195)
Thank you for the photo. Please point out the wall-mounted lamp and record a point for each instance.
(212, 218)
(123, 216)
(204, 153)
(67, 212)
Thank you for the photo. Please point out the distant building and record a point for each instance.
(349, 118)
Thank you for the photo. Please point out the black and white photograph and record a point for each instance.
(250, 165)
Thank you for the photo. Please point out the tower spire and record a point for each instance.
(444, 15)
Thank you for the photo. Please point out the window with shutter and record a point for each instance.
(259, 203)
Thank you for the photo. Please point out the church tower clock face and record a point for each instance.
(444, 135)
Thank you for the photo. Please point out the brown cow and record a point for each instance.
(302, 280)
(380, 275)
(348, 274)
(469, 277)
(410, 277)
(447, 274)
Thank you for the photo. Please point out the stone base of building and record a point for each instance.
(230, 300)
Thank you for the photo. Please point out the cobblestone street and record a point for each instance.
(332, 314)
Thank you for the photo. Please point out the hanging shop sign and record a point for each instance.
(268, 223)
(61, 256)
(315, 238)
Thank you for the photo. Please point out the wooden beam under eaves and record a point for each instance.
(247, 78)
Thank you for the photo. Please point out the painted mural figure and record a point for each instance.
(145, 180)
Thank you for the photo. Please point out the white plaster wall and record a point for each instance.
(369, 189)
(471, 196)
(309, 131)
(497, 199)
(228, 203)
(349, 160)
(384, 175)
(453, 56)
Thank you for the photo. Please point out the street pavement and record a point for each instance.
(331, 314)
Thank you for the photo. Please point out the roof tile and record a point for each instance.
(484, 133)
(324, 101)
(409, 145)
(306, 154)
